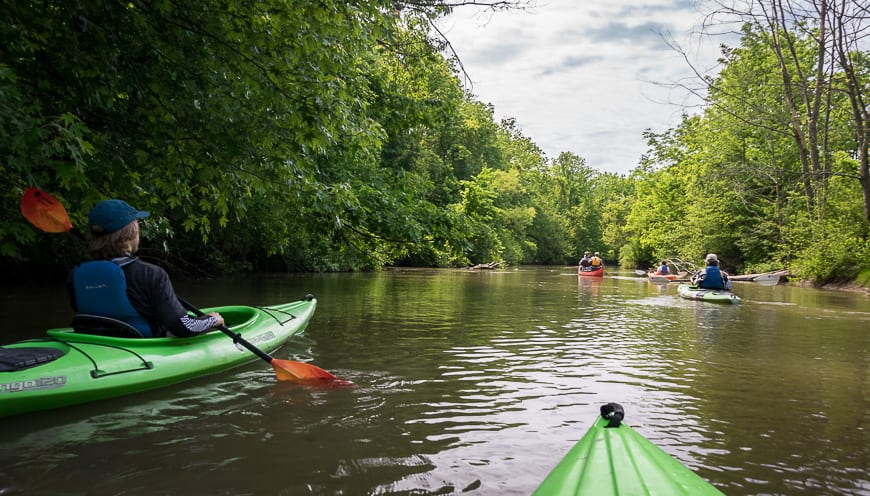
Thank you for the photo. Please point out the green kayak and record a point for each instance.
(618, 461)
(68, 368)
(713, 295)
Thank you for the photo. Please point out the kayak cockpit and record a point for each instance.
(98, 325)
(238, 316)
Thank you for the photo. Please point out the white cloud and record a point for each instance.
(580, 76)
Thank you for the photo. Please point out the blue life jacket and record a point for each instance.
(663, 270)
(712, 278)
(101, 289)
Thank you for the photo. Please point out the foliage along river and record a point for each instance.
(474, 382)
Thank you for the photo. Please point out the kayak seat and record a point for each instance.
(100, 325)
(100, 288)
(23, 358)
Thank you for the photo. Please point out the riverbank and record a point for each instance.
(858, 285)
(853, 286)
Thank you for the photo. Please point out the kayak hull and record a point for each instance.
(591, 273)
(659, 277)
(712, 295)
(611, 461)
(94, 367)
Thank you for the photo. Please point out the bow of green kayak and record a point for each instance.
(690, 292)
(619, 461)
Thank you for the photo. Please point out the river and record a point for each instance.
(473, 382)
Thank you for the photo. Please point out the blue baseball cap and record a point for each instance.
(110, 215)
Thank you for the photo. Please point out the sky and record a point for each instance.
(585, 76)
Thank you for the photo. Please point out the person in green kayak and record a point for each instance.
(118, 285)
(711, 277)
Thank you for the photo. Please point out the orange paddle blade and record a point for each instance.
(44, 211)
(288, 370)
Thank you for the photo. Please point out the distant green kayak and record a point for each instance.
(69, 368)
(611, 461)
(712, 295)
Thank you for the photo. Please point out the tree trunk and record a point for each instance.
(845, 42)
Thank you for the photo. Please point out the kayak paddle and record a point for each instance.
(286, 370)
(49, 215)
(44, 211)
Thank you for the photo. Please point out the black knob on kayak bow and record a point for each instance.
(614, 413)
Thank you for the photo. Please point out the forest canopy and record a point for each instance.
(333, 135)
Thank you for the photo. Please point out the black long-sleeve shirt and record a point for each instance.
(151, 293)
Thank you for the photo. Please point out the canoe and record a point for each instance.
(712, 295)
(599, 272)
(67, 368)
(657, 278)
(619, 461)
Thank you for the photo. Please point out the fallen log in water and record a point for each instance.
(486, 266)
(765, 277)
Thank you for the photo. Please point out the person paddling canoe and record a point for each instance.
(586, 262)
(118, 285)
(596, 263)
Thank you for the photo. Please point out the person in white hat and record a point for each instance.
(711, 277)
(585, 262)
(596, 262)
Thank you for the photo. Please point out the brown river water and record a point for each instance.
(473, 382)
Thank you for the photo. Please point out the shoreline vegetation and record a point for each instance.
(341, 136)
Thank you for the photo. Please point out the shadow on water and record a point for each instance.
(478, 382)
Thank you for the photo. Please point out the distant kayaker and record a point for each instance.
(595, 263)
(711, 277)
(586, 261)
(149, 303)
(663, 269)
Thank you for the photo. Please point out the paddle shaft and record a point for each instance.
(237, 338)
(285, 370)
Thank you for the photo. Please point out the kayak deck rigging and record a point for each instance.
(96, 373)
